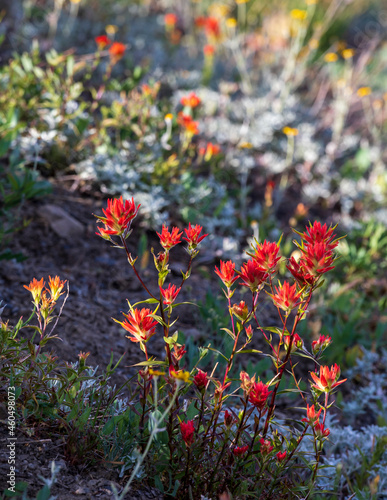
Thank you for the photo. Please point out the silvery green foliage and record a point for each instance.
(348, 448)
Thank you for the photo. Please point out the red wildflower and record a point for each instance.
(259, 394)
(240, 450)
(208, 50)
(317, 258)
(170, 294)
(170, 20)
(209, 151)
(116, 51)
(241, 311)
(321, 344)
(266, 446)
(321, 432)
(247, 383)
(266, 256)
(312, 416)
(297, 343)
(228, 419)
(102, 41)
(317, 233)
(187, 431)
(118, 216)
(286, 297)
(252, 275)
(191, 100)
(186, 122)
(178, 352)
(140, 324)
(200, 380)
(169, 239)
(193, 236)
(227, 273)
(212, 28)
(56, 286)
(35, 287)
(281, 456)
(328, 378)
(300, 273)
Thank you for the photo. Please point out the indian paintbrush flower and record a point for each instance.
(266, 446)
(252, 275)
(192, 236)
(266, 256)
(311, 415)
(320, 344)
(118, 217)
(200, 380)
(297, 343)
(102, 41)
(116, 51)
(56, 285)
(240, 450)
(35, 287)
(139, 324)
(169, 239)
(286, 297)
(258, 395)
(187, 430)
(227, 273)
(328, 378)
(191, 100)
(170, 294)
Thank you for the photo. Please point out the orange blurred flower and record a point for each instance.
(191, 100)
(102, 41)
(116, 51)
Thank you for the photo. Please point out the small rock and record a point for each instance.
(61, 222)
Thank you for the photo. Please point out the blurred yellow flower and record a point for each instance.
(156, 373)
(231, 22)
(245, 145)
(364, 91)
(218, 10)
(111, 29)
(331, 57)
(298, 14)
(168, 116)
(241, 1)
(290, 132)
(311, 2)
(75, 1)
(180, 375)
(348, 53)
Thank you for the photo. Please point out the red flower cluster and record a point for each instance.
(328, 378)
(118, 217)
(287, 297)
(187, 431)
(259, 394)
(191, 100)
(102, 41)
(266, 256)
(312, 416)
(252, 275)
(188, 124)
(210, 25)
(116, 49)
(209, 151)
(317, 256)
(281, 456)
(169, 239)
(320, 344)
(192, 236)
(170, 294)
(240, 450)
(297, 343)
(140, 324)
(266, 446)
(55, 287)
(200, 380)
(227, 273)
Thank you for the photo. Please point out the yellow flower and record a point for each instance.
(348, 53)
(364, 91)
(239, 2)
(168, 117)
(231, 22)
(298, 14)
(331, 57)
(35, 287)
(218, 10)
(290, 132)
(245, 145)
(156, 373)
(75, 1)
(180, 375)
(111, 29)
